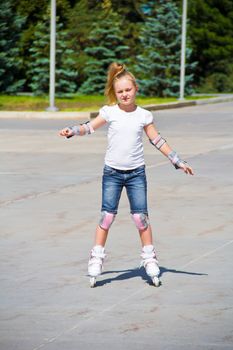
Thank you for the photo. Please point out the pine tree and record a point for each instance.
(40, 57)
(86, 13)
(33, 12)
(106, 45)
(81, 20)
(159, 63)
(10, 61)
(211, 33)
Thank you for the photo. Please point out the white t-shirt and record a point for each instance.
(125, 130)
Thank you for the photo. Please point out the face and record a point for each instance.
(125, 91)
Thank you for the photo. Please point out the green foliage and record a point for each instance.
(131, 17)
(211, 35)
(154, 56)
(130, 13)
(218, 82)
(81, 20)
(10, 61)
(40, 55)
(159, 63)
(106, 44)
(38, 71)
(33, 12)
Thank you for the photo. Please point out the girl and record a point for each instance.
(124, 165)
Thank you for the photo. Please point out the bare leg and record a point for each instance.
(101, 236)
(146, 236)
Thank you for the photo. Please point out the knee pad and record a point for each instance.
(106, 220)
(141, 220)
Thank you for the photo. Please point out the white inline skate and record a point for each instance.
(95, 264)
(150, 263)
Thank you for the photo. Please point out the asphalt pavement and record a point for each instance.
(50, 198)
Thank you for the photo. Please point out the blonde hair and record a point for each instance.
(115, 72)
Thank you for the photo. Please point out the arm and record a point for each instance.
(83, 129)
(165, 149)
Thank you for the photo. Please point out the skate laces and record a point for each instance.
(97, 257)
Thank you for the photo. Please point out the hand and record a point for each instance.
(67, 132)
(186, 168)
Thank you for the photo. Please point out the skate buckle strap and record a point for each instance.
(147, 261)
(147, 254)
(94, 260)
(97, 255)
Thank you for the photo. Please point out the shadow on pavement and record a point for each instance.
(140, 272)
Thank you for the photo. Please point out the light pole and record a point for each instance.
(52, 58)
(183, 49)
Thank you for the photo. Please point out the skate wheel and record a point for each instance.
(156, 281)
(92, 282)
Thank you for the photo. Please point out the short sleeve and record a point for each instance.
(103, 112)
(149, 118)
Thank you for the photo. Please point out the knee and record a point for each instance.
(106, 220)
(141, 220)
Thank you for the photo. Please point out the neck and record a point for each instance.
(129, 108)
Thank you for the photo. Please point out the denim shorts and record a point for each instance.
(135, 183)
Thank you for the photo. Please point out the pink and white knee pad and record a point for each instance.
(141, 220)
(106, 220)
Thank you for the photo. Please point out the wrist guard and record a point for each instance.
(175, 159)
(158, 142)
(88, 129)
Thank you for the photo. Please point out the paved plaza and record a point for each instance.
(50, 198)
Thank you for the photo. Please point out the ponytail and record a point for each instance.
(115, 72)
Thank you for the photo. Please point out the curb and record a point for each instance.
(227, 98)
(44, 115)
(90, 115)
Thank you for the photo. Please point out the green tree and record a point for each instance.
(159, 62)
(10, 61)
(33, 12)
(81, 20)
(39, 60)
(131, 17)
(106, 44)
(88, 15)
(211, 34)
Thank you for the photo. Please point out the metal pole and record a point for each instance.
(183, 49)
(52, 57)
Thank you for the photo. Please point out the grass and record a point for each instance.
(74, 103)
